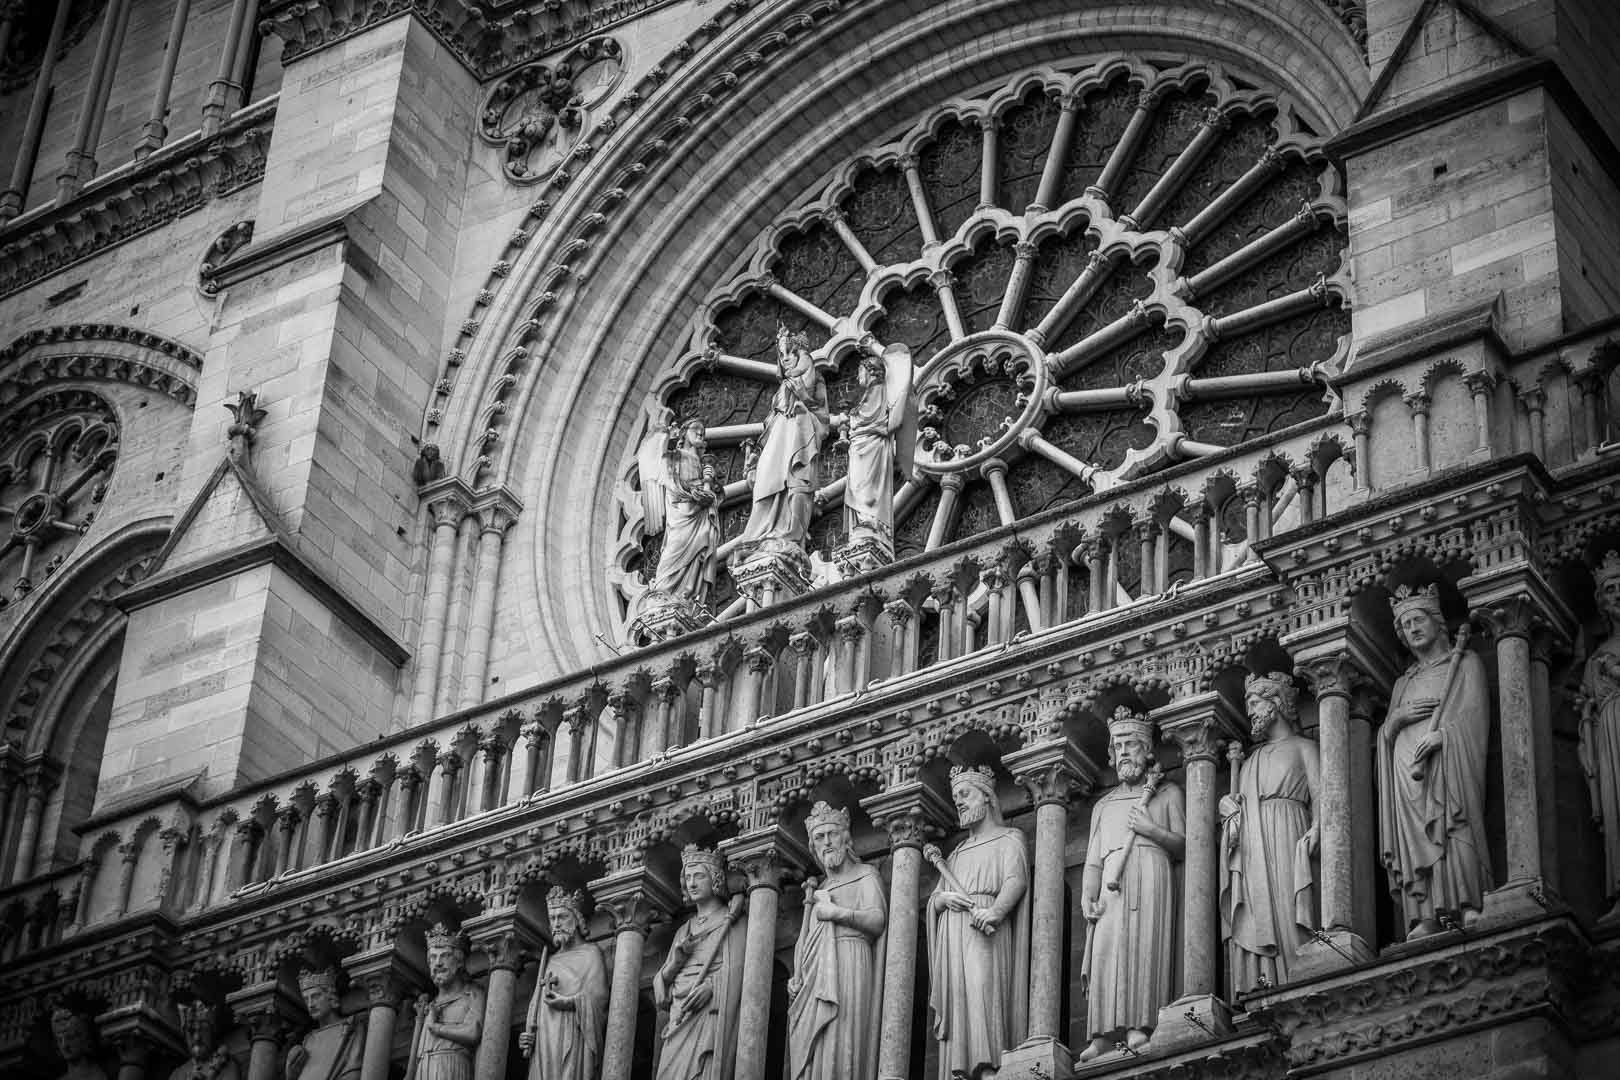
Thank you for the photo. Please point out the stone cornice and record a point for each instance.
(135, 199)
(277, 250)
(487, 36)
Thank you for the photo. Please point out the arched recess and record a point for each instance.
(673, 204)
(76, 530)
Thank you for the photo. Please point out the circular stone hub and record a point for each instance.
(977, 395)
(36, 511)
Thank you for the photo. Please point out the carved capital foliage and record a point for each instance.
(912, 813)
(387, 989)
(1516, 616)
(504, 949)
(766, 858)
(1052, 772)
(1332, 676)
(635, 899)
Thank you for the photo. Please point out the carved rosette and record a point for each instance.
(538, 113)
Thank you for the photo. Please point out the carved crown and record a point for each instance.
(321, 978)
(570, 899)
(824, 813)
(1127, 722)
(1409, 599)
(442, 937)
(1609, 568)
(1277, 685)
(712, 861)
(982, 777)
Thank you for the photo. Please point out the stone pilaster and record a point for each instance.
(634, 899)
(506, 938)
(766, 858)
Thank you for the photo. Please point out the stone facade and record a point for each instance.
(331, 334)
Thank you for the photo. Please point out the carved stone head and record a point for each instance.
(828, 831)
(566, 908)
(321, 994)
(1268, 699)
(446, 956)
(973, 792)
(75, 1036)
(703, 874)
(198, 1028)
(1130, 744)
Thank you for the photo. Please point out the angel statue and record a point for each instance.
(680, 497)
(882, 432)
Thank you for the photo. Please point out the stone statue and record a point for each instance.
(1268, 836)
(786, 472)
(336, 1046)
(1431, 772)
(835, 994)
(449, 1023)
(1600, 728)
(75, 1036)
(701, 980)
(1129, 892)
(978, 931)
(882, 431)
(680, 497)
(562, 1036)
(209, 1060)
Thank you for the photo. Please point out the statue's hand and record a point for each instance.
(698, 1000)
(1093, 909)
(955, 901)
(558, 1001)
(1312, 837)
(985, 920)
(526, 1043)
(1141, 824)
(795, 984)
(660, 994)
(825, 909)
(1416, 711)
(1428, 744)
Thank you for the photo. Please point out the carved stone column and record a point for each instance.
(387, 980)
(910, 813)
(1336, 673)
(763, 857)
(851, 639)
(803, 644)
(494, 518)
(1198, 723)
(710, 676)
(903, 637)
(1518, 607)
(445, 511)
(1048, 771)
(634, 899)
(504, 937)
(38, 780)
(758, 660)
(268, 1013)
(526, 760)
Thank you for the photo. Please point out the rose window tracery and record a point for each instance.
(53, 477)
(1099, 272)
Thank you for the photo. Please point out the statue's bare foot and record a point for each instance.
(1423, 929)
(1136, 1038)
(1097, 1048)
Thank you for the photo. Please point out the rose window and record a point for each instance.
(52, 480)
(1099, 273)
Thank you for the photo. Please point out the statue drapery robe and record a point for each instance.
(1600, 752)
(1130, 967)
(687, 561)
(568, 1042)
(979, 983)
(703, 1045)
(1268, 889)
(881, 441)
(1432, 830)
(833, 1022)
(439, 1058)
(786, 472)
(335, 1051)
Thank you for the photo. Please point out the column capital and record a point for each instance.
(1517, 601)
(758, 658)
(636, 898)
(912, 813)
(1339, 659)
(266, 1010)
(1199, 723)
(1051, 770)
(497, 509)
(506, 936)
(386, 976)
(447, 499)
(767, 856)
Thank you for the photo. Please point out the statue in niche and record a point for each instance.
(835, 993)
(701, 980)
(882, 432)
(786, 470)
(337, 1045)
(449, 1023)
(75, 1035)
(1600, 728)
(562, 1037)
(978, 931)
(1268, 837)
(680, 497)
(1431, 772)
(209, 1060)
(1129, 892)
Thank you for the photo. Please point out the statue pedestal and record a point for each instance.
(862, 555)
(1341, 949)
(1187, 1021)
(663, 616)
(772, 573)
(1527, 898)
(1036, 1059)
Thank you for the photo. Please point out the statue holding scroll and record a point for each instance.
(448, 1024)
(1600, 728)
(562, 1036)
(835, 993)
(978, 931)
(787, 468)
(1431, 772)
(701, 980)
(882, 432)
(1268, 837)
(336, 1047)
(75, 1035)
(1129, 892)
(208, 1059)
